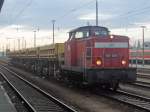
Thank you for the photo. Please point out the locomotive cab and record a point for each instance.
(98, 57)
(79, 38)
(88, 31)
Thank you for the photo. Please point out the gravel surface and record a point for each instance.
(81, 100)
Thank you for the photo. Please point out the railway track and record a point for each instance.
(142, 84)
(136, 101)
(37, 99)
(143, 75)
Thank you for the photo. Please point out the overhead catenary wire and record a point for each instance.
(135, 12)
(21, 11)
(131, 13)
(29, 2)
(126, 14)
(74, 10)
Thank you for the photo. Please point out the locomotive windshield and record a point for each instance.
(99, 32)
(88, 31)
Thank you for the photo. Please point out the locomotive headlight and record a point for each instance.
(98, 62)
(111, 36)
(123, 62)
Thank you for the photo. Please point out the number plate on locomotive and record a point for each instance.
(111, 55)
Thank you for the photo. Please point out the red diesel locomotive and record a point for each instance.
(90, 56)
(97, 57)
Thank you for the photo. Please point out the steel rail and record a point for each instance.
(136, 101)
(140, 73)
(61, 104)
(133, 100)
(20, 95)
(142, 84)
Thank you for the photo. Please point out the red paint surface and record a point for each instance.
(76, 54)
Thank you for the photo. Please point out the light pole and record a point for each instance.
(14, 45)
(3, 51)
(143, 34)
(53, 22)
(8, 45)
(96, 13)
(18, 44)
(22, 42)
(34, 38)
(25, 43)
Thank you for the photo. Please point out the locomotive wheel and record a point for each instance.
(115, 85)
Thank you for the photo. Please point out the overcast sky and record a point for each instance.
(68, 13)
(28, 15)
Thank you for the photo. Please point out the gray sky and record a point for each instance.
(121, 16)
(70, 13)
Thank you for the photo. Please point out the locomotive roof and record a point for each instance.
(86, 28)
